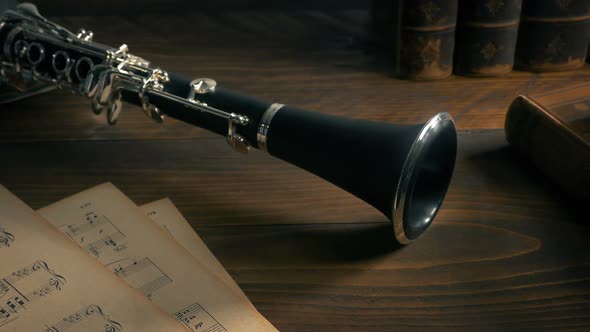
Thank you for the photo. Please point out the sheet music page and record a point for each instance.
(110, 227)
(166, 215)
(47, 284)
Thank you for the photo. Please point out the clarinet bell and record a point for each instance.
(403, 171)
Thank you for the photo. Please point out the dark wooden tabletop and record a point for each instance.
(508, 251)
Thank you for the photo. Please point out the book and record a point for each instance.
(427, 39)
(486, 36)
(553, 131)
(553, 35)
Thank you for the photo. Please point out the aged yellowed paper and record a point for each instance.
(115, 231)
(47, 284)
(167, 216)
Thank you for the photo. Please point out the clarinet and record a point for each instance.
(403, 171)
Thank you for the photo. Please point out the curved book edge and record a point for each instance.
(556, 143)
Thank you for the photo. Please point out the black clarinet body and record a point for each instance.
(402, 170)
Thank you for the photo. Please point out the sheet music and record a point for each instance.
(89, 318)
(118, 234)
(47, 284)
(167, 216)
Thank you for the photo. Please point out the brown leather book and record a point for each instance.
(553, 35)
(553, 130)
(427, 39)
(486, 37)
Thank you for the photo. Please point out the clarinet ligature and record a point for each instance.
(403, 171)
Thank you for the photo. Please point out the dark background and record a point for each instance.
(114, 7)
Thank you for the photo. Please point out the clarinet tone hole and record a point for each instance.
(60, 62)
(83, 67)
(35, 53)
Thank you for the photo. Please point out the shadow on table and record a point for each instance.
(509, 173)
(343, 243)
(303, 245)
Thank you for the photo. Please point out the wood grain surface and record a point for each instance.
(507, 252)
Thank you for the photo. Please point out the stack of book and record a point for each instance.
(434, 38)
(97, 262)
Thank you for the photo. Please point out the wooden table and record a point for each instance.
(507, 251)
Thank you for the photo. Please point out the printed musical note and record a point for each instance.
(90, 318)
(3, 289)
(96, 234)
(5, 238)
(143, 275)
(26, 285)
(196, 318)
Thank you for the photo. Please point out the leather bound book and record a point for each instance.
(553, 131)
(486, 36)
(554, 35)
(427, 39)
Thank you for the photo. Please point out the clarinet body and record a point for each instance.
(403, 171)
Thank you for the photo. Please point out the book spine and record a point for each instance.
(554, 35)
(427, 39)
(486, 36)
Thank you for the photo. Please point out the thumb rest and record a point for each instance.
(402, 171)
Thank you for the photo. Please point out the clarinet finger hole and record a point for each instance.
(35, 53)
(60, 62)
(83, 67)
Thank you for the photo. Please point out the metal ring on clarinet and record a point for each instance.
(262, 135)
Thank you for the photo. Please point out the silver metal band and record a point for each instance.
(264, 126)
(428, 132)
